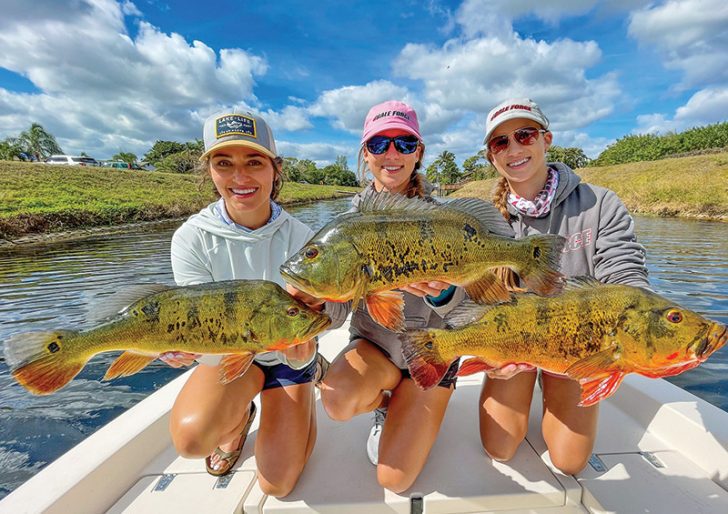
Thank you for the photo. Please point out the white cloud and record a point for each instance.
(690, 35)
(97, 82)
(290, 119)
(707, 106)
(348, 106)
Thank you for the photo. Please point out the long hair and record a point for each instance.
(416, 186)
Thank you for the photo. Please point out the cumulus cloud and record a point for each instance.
(704, 107)
(347, 106)
(290, 119)
(97, 82)
(690, 35)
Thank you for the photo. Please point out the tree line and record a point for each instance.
(174, 157)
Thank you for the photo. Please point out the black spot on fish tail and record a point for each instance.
(151, 311)
(230, 299)
(536, 252)
(53, 347)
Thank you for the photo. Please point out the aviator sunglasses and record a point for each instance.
(525, 136)
(403, 144)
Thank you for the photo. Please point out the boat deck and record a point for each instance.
(659, 449)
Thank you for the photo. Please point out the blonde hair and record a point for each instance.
(203, 169)
(416, 186)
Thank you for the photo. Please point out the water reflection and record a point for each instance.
(45, 287)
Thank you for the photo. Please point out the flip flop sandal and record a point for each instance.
(230, 458)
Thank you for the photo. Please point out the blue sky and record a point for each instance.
(106, 76)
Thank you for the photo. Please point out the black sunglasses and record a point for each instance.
(525, 136)
(403, 144)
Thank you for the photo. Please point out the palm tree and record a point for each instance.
(38, 143)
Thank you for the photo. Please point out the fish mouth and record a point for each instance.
(320, 324)
(715, 340)
(288, 274)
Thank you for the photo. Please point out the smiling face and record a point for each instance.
(523, 166)
(392, 170)
(244, 178)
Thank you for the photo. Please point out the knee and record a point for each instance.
(395, 480)
(191, 441)
(501, 444)
(503, 451)
(338, 407)
(277, 490)
(279, 486)
(569, 463)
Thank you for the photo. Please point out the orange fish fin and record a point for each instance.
(43, 362)
(420, 351)
(671, 371)
(361, 289)
(596, 365)
(597, 389)
(488, 289)
(541, 274)
(387, 309)
(234, 365)
(129, 363)
(472, 366)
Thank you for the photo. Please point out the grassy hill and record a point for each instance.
(39, 198)
(691, 187)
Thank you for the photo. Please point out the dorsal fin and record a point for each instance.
(113, 304)
(372, 201)
(466, 313)
(581, 282)
(487, 213)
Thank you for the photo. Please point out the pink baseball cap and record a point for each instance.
(390, 115)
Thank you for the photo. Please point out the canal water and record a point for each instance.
(45, 287)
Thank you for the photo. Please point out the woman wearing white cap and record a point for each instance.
(245, 235)
(370, 374)
(537, 197)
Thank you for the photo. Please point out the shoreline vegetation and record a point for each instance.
(693, 187)
(41, 203)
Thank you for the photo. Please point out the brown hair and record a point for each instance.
(499, 198)
(203, 169)
(416, 186)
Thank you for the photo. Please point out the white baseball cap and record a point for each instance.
(511, 109)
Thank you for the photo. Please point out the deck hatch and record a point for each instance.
(597, 464)
(164, 482)
(223, 481)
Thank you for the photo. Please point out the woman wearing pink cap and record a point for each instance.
(538, 197)
(370, 374)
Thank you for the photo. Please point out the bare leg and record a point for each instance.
(410, 430)
(207, 414)
(569, 430)
(286, 437)
(354, 383)
(504, 409)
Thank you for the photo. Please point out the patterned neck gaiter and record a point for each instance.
(541, 205)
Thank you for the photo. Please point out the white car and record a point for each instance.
(72, 160)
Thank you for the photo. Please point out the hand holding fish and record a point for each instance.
(509, 370)
(422, 289)
(179, 359)
(312, 302)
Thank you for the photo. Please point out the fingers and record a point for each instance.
(179, 359)
(432, 288)
(510, 370)
(311, 301)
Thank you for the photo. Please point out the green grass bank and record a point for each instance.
(42, 199)
(689, 187)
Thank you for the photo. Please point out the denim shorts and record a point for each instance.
(282, 375)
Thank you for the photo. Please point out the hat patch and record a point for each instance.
(234, 125)
(384, 114)
(510, 108)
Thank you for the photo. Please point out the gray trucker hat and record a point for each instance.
(238, 129)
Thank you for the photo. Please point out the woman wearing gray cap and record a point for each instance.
(245, 235)
(537, 197)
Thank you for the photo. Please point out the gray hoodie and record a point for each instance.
(600, 231)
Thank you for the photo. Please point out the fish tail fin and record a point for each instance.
(542, 274)
(43, 362)
(420, 350)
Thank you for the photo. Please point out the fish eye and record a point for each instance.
(674, 316)
(293, 311)
(311, 253)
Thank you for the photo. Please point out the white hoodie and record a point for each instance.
(205, 249)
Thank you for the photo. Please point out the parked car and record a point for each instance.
(121, 165)
(72, 160)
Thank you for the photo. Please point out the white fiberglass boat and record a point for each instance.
(659, 450)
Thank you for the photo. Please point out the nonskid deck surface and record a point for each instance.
(659, 449)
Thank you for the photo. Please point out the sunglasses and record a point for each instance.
(525, 136)
(403, 144)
